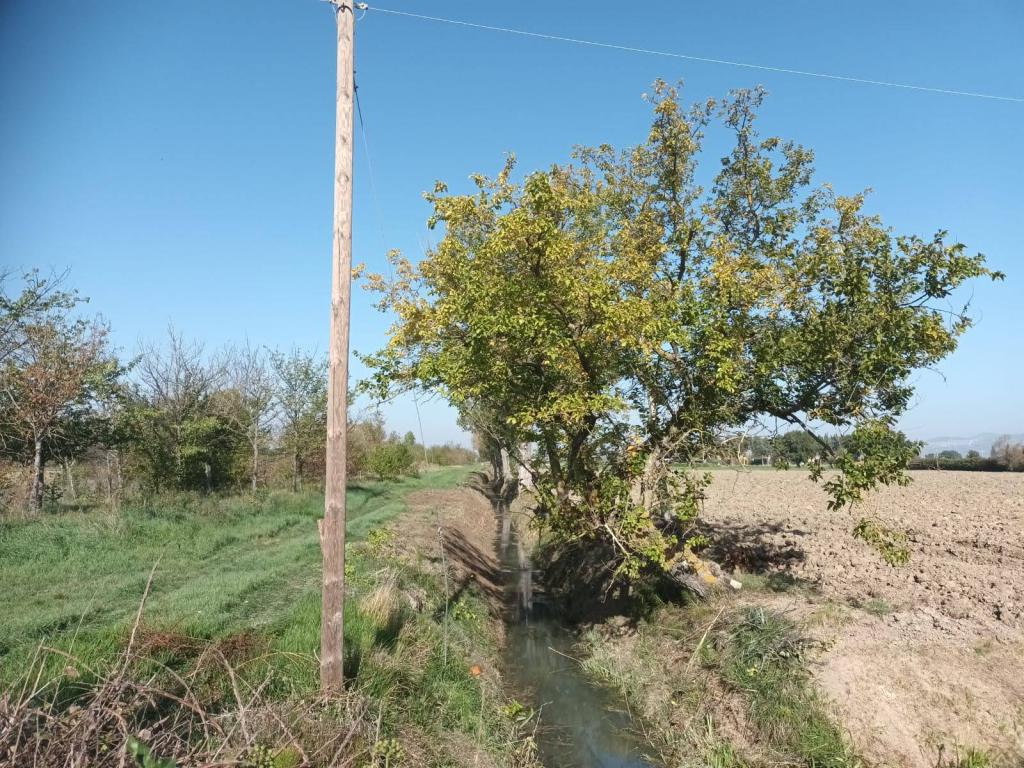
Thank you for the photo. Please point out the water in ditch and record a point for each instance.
(582, 725)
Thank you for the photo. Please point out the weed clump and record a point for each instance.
(763, 657)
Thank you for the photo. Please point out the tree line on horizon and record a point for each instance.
(799, 447)
(77, 422)
(1005, 455)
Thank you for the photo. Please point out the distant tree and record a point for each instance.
(302, 405)
(796, 447)
(973, 455)
(450, 454)
(1008, 453)
(391, 460)
(37, 298)
(759, 449)
(179, 439)
(251, 400)
(365, 435)
(50, 382)
(950, 454)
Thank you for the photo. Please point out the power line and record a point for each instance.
(704, 59)
(373, 184)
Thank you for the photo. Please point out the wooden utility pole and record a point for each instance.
(332, 529)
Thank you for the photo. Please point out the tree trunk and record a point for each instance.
(177, 455)
(38, 479)
(506, 464)
(69, 479)
(296, 472)
(119, 478)
(496, 469)
(110, 481)
(255, 457)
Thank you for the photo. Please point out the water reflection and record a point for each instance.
(582, 724)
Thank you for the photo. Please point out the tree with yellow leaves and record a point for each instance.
(620, 316)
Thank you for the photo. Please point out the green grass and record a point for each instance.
(763, 659)
(238, 582)
(972, 758)
(751, 660)
(878, 606)
(73, 580)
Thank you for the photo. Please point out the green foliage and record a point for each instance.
(391, 460)
(302, 398)
(40, 297)
(966, 464)
(386, 753)
(260, 756)
(464, 612)
(764, 661)
(364, 435)
(620, 317)
(892, 544)
(873, 454)
(450, 454)
(796, 447)
(196, 451)
(380, 541)
(57, 374)
(145, 757)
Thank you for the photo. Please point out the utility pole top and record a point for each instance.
(343, 5)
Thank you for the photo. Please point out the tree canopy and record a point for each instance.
(618, 314)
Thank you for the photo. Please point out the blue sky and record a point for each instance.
(178, 156)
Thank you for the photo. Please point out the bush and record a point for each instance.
(450, 454)
(390, 461)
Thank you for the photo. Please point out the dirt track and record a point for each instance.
(920, 656)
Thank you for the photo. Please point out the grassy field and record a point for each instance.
(233, 616)
(74, 580)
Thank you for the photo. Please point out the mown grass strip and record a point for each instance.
(73, 580)
(407, 701)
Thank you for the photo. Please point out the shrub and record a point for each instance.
(390, 461)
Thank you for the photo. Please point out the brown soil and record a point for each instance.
(922, 656)
(467, 525)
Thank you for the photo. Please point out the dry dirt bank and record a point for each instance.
(463, 520)
(925, 655)
(454, 530)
